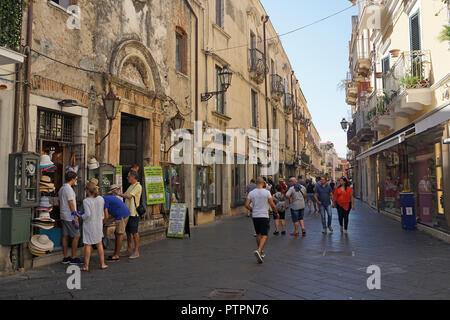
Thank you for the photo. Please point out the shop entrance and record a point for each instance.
(131, 146)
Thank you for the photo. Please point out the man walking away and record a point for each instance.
(261, 201)
(300, 181)
(132, 199)
(69, 218)
(323, 197)
(297, 195)
(310, 198)
(280, 201)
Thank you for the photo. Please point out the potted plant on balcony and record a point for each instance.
(369, 89)
(409, 82)
(395, 53)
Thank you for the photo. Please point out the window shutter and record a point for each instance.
(415, 32)
(385, 66)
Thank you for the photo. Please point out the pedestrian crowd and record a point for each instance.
(98, 212)
(265, 198)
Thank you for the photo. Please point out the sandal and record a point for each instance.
(110, 258)
(295, 234)
(83, 268)
(104, 268)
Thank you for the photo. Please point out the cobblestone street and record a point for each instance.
(220, 255)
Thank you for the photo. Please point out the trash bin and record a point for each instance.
(408, 211)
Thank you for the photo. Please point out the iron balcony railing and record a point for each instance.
(351, 133)
(288, 102)
(305, 158)
(297, 113)
(257, 61)
(11, 23)
(277, 85)
(412, 70)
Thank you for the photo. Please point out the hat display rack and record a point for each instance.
(40, 244)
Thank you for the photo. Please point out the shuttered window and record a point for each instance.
(414, 30)
(220, 13)
(181, 51)
(385, 66)
(254, 109)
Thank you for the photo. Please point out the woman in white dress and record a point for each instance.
(93, 225)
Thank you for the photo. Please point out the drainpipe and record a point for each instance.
(26, 100)
(293, 119)
(196, 59)
(18, 88)
(265, 19)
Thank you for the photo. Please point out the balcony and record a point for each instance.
(276, 87)
(379, 114)
(258, 66)
(297, 113)
(11, 32)
(408, 83)
(372, 14)
(288, 103)
(351, 137)
(363, 131)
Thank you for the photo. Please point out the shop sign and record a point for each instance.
(118, 177)
(154, 185)
(177, 221)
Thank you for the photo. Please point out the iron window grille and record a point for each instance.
(55, 127)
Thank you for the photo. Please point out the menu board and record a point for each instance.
(154, 185)
(177, 220)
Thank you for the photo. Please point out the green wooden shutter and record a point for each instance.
(414, 28)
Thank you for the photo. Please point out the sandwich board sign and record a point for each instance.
(178, 221)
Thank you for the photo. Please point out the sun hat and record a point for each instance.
(45, 226)
(45, 179)
(45, 215)
(37, 249)
(37, 253)
(45, 202)
(92, 180)
(93, 164)
(41, 242)
(113, 187)
(46, 161)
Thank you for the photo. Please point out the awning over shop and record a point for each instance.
(434, 118)
(393, 141)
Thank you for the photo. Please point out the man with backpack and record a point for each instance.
(297, 195)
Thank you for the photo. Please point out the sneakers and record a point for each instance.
(324, 231)
(258, 256)
(134, 256)
(276, 233)
(263, 255)
(76, 261)
(283, 233)
(304, 233)
(330, 228)
(66, 260)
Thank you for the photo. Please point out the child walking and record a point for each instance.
(93, 225)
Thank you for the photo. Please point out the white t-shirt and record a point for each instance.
(66, 194)
(299, 200)
(260, 203)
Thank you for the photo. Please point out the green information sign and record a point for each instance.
(154, 185)
(177, 221)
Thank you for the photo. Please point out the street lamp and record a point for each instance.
(344, 124)
(177, 121)
(111, 104)
(225, 77)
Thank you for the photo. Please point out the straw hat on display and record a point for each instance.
(41, 242)
(93, 164)
(46, 185)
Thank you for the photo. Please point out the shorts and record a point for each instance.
(310, 197)
(262, 226)
(121, 225)
(68, 229)
(297, 215)
(132, 225)
(282, 215)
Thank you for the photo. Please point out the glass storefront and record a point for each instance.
(238, 175)
(416, 166)
(173, 185)
(205, 189)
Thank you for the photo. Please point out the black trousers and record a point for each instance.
(343, 216)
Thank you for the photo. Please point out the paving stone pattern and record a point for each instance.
(220, 256)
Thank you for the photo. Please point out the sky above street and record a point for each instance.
(319, 57)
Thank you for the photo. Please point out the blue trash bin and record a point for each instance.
(408, 211)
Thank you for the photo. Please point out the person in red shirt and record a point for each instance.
(344, 201)
(284, 187)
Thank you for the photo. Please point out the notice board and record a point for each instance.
(154, 185)
(178, 221)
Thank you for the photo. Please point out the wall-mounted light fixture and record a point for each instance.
(225, 77)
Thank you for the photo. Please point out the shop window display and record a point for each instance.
(205, 187)
(173, 185)
(238, 173)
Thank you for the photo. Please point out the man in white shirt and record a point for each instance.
(69, 218)
(261, 201)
